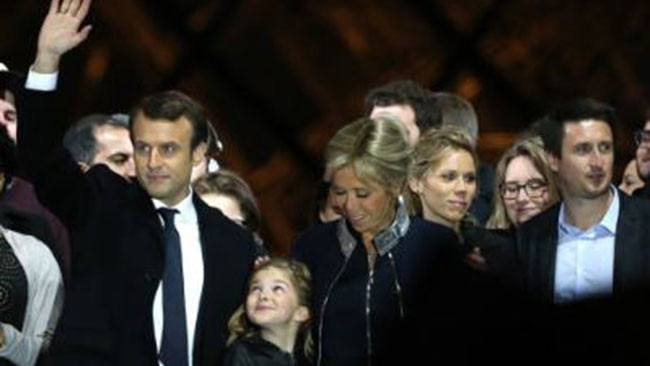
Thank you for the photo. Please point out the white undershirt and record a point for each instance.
(188, 229)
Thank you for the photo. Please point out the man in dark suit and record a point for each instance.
(119, 309)
(589, 254)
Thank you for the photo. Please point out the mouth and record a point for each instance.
(458, 204)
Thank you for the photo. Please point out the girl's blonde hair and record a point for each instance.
(431, 149)
(533, 149)
(241, 327)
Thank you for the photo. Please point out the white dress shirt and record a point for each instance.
(187, 225)
(584, 266)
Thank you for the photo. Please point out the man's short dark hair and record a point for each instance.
(80, 139)
(405, 92)
(170, 106)
(574, 111)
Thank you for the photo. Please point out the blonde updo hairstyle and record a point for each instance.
(376, 149)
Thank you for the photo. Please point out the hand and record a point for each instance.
(60, 33)
(475, 260)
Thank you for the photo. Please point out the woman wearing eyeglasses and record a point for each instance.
(526, 185)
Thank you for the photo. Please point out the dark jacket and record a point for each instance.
(255, 351)
(365, 317)
(118, 254)
(601, 330)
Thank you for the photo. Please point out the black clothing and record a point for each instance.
(118, 254)
(255, 351)
(364, 315)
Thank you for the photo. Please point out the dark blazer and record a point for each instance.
(118, 255)
(537, 248)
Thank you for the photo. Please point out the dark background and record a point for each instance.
(279, 77)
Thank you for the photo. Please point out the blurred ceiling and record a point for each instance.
(280, 77)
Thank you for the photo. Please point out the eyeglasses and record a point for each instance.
(534, 188)
(642, 137)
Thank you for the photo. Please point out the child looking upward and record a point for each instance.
(272, 327)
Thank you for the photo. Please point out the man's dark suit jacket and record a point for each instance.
(599, 330)
(118, 255)
(537, 249)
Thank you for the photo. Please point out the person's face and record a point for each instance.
(272, 301)
(524, 190)
(367, 206)
(631, 180)
(403, 113)
(585, 166)
(114, 148)
(447, 189)
(643, 156)
(227, 204)
(164, 157)
(8, 116)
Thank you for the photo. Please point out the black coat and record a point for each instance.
(118, 255)
(407, 301)
(255, 351)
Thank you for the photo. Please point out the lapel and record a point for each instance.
(628, 245)
(546, 253)
(208, 232)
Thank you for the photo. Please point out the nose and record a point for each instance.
(522, 195)
(154, 160)
(347, 203)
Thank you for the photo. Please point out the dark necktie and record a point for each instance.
(173, 347)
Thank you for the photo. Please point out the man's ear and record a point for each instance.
(553, 162)
(198, 154)
(302, 314)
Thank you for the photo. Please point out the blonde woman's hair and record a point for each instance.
(241, 327)
(377, 149)
(432, 148)
(533, 149)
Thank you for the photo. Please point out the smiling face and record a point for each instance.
(587, 159)
(524, 190)
(164, 157)
(272, 302)
(447, 189)
(368, 207)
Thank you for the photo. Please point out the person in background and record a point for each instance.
(405, 101)
(631, 181)
(272, 327)
(17, 193)
(526, 185)
(375, 272)
(101, 139)
(31, 279)
(209, 164)
(228, 192)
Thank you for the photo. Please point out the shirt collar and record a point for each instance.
(186, 211)
(608, 222)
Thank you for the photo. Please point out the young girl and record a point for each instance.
(272, 326)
